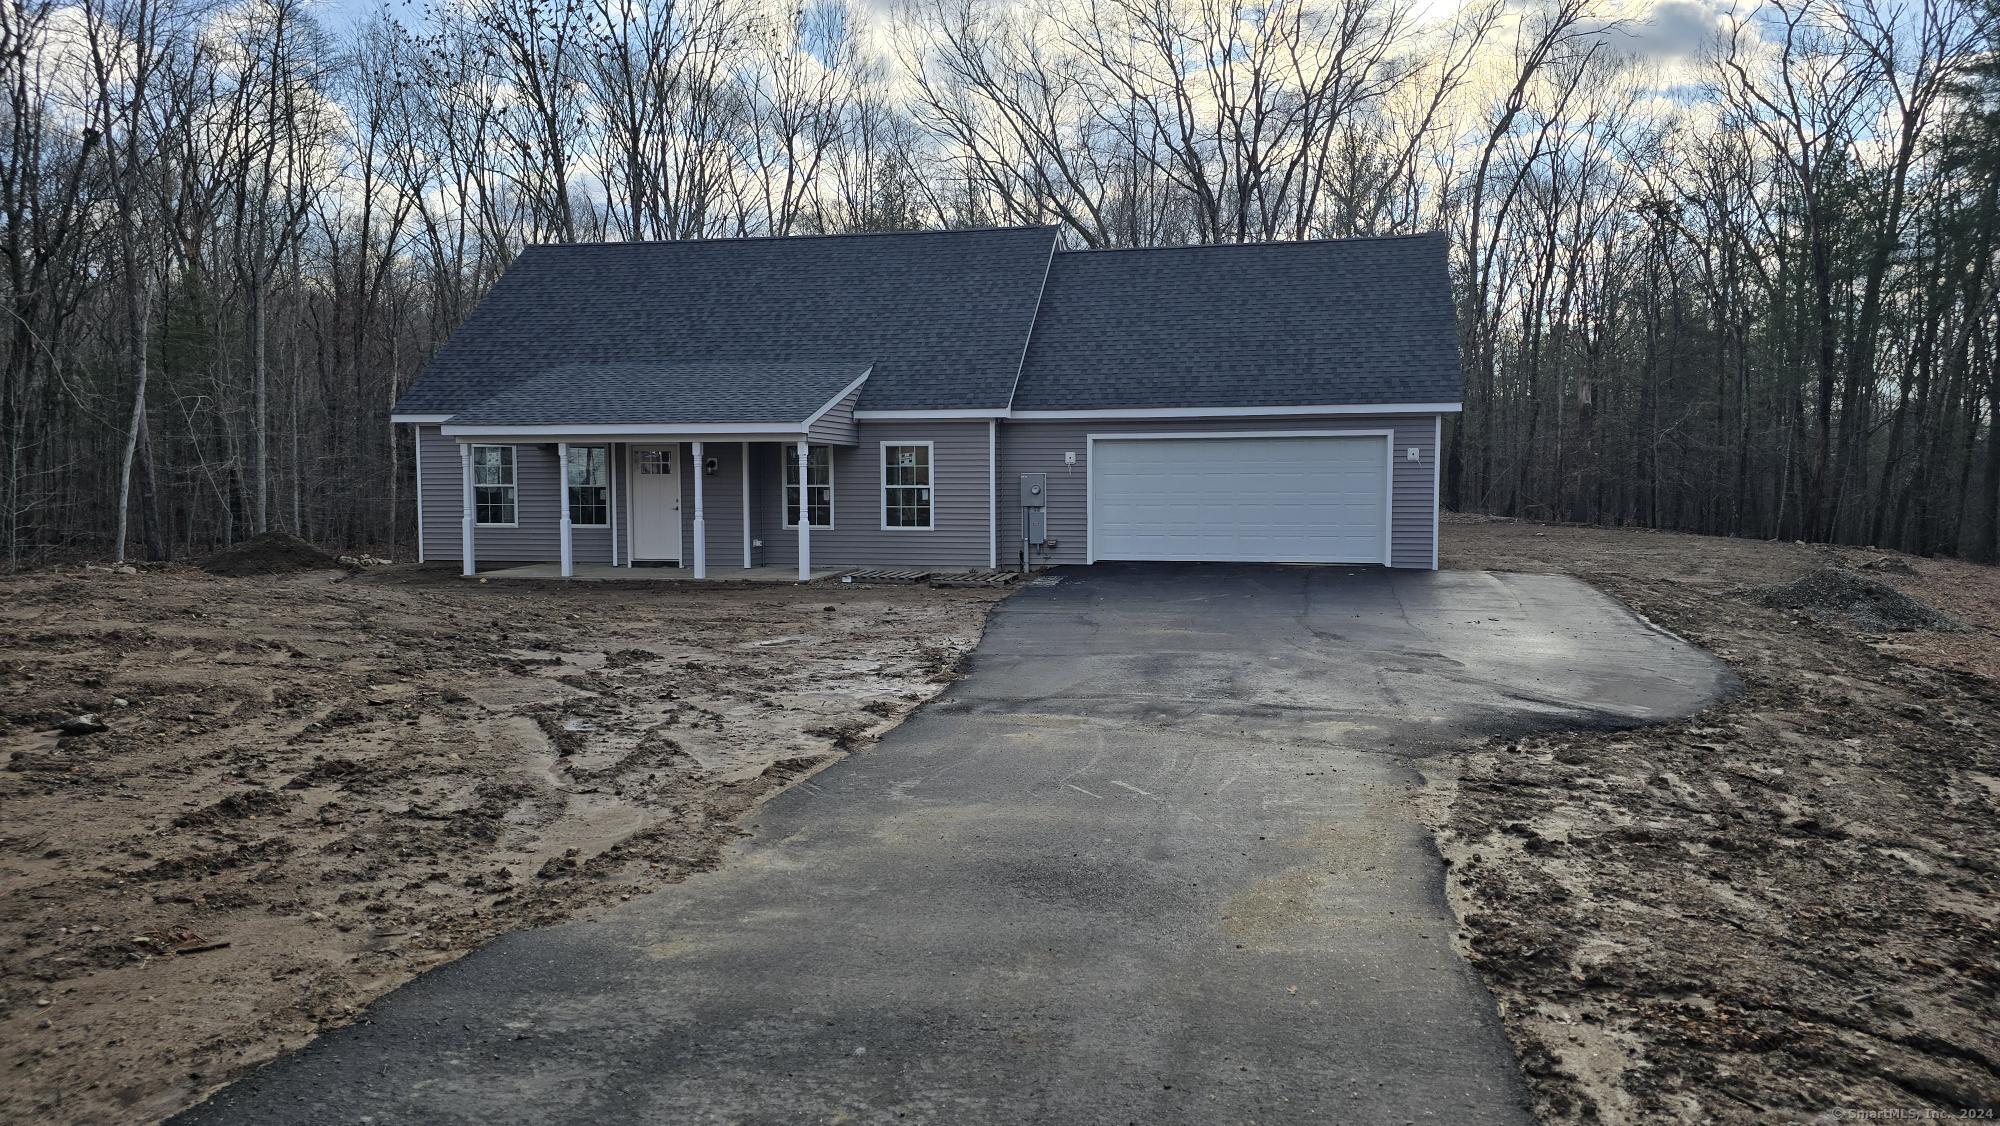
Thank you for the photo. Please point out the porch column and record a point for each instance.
(611, 495)
(465, 536)
(805, 515)
(562, 483)
(745, 473)
(700, 469)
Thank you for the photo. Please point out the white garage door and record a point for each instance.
(1241, 499)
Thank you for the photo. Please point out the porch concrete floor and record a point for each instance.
(604, 572)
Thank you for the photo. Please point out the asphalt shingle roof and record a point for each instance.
(665, 393)
(1354, 321)
(746, 330)
(941, 317)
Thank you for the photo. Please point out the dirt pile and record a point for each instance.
(273, 553)
(1865, 603)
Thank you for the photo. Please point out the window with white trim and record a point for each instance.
(906, 486)
(589, 487)
(819, 486)
(493, 491)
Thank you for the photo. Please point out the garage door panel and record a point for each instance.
(1247, 499)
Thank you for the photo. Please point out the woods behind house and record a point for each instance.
(1720, 270)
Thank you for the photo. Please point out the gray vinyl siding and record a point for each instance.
(838, 424)
(1029, 447)
(722, 503)
(959, 500)
(537, 534)
(960, 484)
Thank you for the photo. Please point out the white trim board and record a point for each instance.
(418, 445)
(1166, 435)
(886, 416)
(780, 432)
(1243, 412)
(1388, 437)
(992, 494)
(1170, 412)
(630, 432)
(1437, 499)
(743, 471)
(882, 481)
(813, 418)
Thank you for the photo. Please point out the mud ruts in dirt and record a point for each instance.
(312, 786)
(1782, 909)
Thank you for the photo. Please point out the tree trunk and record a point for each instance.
(260, 423)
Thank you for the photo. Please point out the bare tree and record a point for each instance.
(663, 92)
(1744, 287)
(128, 43)
(272, 133)
(43, 226)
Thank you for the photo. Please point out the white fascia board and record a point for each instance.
(420, 419)
(637, 431)
(883, 416)
(813, 419)
(1244, 412)
(1173, 435)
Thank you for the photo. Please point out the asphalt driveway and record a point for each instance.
(1154, 860)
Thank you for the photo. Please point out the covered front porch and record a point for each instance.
(633, 466)
(643, 506)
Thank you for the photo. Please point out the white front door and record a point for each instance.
(656, 505)
(1241, 499)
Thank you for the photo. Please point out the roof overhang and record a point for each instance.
(634, 432)
(1244, 412)
(890, 416)
(642, 430)
(768, 432)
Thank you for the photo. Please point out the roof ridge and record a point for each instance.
(592, 244)
(1249, 245)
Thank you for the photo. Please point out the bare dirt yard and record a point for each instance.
(1781, 909)
(310, 787)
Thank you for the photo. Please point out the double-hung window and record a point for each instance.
(589, 487)
(906, 486)
(493, 491)
(818, 487)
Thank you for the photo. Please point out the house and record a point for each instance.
(975, 399)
